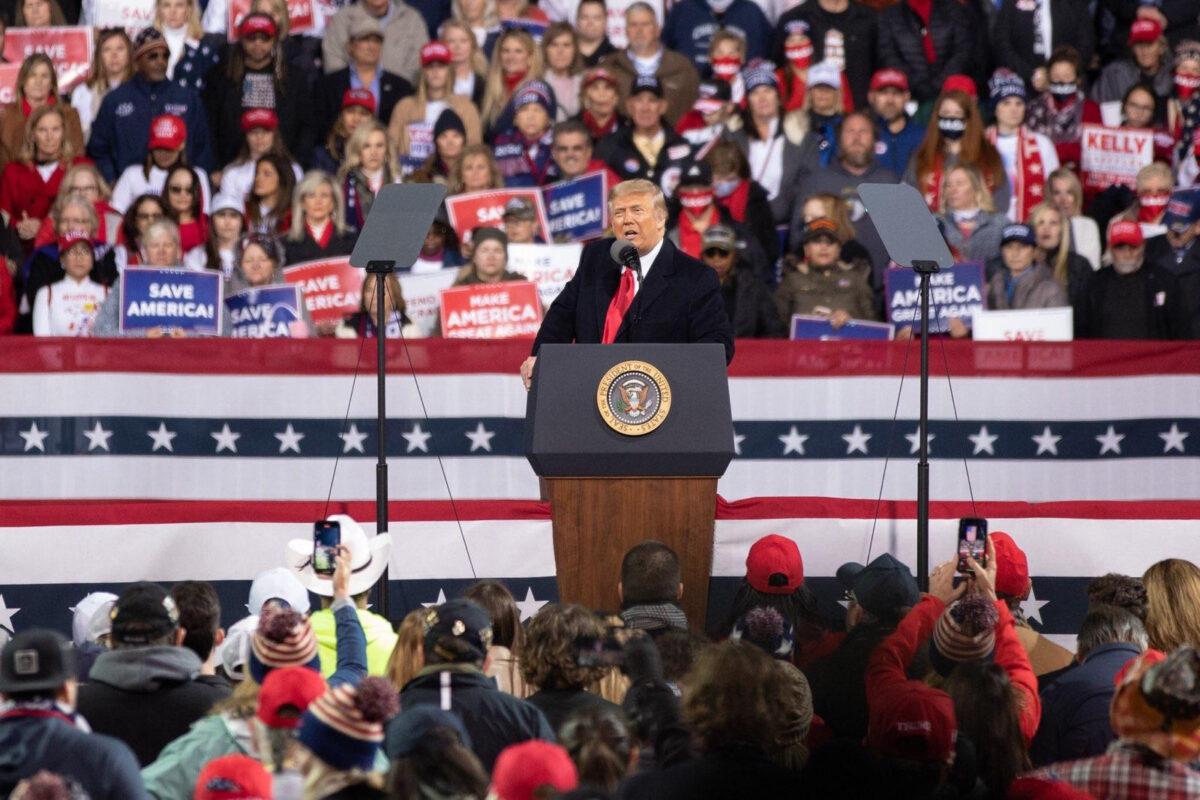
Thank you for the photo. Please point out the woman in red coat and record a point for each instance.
(29, 184)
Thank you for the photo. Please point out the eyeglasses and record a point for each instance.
(716, 252)
(177, 189)
(149, 216)
(88, 189)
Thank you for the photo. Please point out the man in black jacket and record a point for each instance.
(845, 32)
(748, 301)
(457, 637)
(902, 33)
(648, 147)
(1178, 252)
(144, 691)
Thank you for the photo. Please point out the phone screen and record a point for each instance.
(327, 535)
(972, 542)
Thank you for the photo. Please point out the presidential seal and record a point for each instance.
(634, 398)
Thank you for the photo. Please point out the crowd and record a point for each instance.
(191, 147)
(941, 695)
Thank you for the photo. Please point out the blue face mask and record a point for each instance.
(725, 188)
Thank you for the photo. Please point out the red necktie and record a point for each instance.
(619, 305)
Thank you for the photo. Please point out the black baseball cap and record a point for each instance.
(646, 83)
(882, 587)
(143, 613)
(698, 173)
(462, 620)
(34, 661)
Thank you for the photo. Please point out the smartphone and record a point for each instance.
(972, 542)
(327, 536)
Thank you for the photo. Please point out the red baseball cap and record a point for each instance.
(233, 777)
(1145, 30)
(435, 52)
(71, 238)
(598, 74)
(259, 118)
(774, 565)
(524, 768)
(1125, 232)
(285, 694)
(960, 83)
(257, 22)
(1012, 567)
(359, 97)
(167, 132)
(913, 722)
(889, 78)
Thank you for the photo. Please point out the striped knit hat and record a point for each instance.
(284, 638)
(966, 631)
(344, 726)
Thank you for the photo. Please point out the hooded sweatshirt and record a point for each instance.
(146, 696)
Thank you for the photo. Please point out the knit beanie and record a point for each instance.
(966, 631)
(344, 726)
(449, 120)
(284, 638)
(765, 628)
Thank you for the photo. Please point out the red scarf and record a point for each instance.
(1029, 188)
(194, 233)
(512, 81)
(27, 109)
(735, 203)
(690, 239)
(598, 130)
(322, 240)
(933, 184)
(794, 88)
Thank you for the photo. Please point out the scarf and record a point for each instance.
(690, 237)
(43, 708)
(736, 201)
(1059, 122)
(596, 128)
(194, 233)
(1029, 184)
(655, 616)
(322, 240)
(511, 82)
(27, 109)
(794, 88)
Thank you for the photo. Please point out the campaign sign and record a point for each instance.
(1024, 325)
(422, 293)
(956, 292)
(486, 210)
(811, 326)
(491, 311)
(550, 266)
(300, 16)
(1114, 155)
(179, 299)
(69, 48)
(578, 208)
(123, 13)
(331, 288)
(268, 312)
(8, 82)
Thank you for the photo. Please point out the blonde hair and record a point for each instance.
(75, 199)
(312, 180)
(1076, 188)
(983, 198)
(640, 186)
(496, 94)
(479, 64)
(836, 209)
(408, 656)
(98, 80)
(726, 35)
(1156, 169)
(1059, 267)
(66, 150)
(1172, 604)
(278, 12)
(471, 151)
(490, 18)
(194, 29)
(358, 140)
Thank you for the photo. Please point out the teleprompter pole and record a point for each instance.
(381, 270)
(924, 269)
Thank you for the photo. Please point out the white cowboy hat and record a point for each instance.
(368, 558)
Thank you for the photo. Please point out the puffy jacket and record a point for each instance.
(378, 637)
(901, 45)
(105, 767)
(691, 24)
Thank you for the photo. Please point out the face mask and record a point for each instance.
(696, 199)
(1063, 91)
(800, 55)
(952, 128)
(727, 67)
(1150, 206)
(725, 188)
(1186, 85)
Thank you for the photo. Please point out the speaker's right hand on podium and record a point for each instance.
(527, 371)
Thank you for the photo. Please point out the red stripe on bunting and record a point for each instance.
(443, 357)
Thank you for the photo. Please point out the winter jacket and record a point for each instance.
(121, 129)
(690, 26)
(750, 307)
(558, 704)
(493, 720)
(1119, 76)
(1182, 22)
(226, 100)
(404, 35)
(23, 192)
(843, 286)
(199, 58)
(720, 775)
(894, 150)
(380, 639)
(146, 696)
(901, 45)
(410, 110)
(327, 105)
(859, 26)
(12, 130)
(622, 156)
(982, 244)
(1013, 34)
(1035, 289)
(1161, 300)
(307, 249)
(520, 163)
(1185, 266)
(105, 767)
(799, 154)
(677, 74)
(1075, 719)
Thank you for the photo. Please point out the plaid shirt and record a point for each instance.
(1127, 771)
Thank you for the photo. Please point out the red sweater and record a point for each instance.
(22, 190)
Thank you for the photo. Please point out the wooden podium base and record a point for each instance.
(596, 520)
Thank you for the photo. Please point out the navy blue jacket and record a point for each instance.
(1075, 721)
(105, 767)
(122, 126)
(680, 301)
(691, 24)
(894, 150)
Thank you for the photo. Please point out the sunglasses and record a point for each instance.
(149, 216)
(156, 55)
(177, 189)
(714, 252)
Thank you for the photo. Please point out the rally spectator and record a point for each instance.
(1129, 298)
(260, 127)
(776, 143)
(1178, 252)
(227, 224)
(713, 112)
(159, 248)
(37, 676)
(508, 635)
(563, 67)
(37, 87)
(91, 623)
(843, 32)
(1059, 111)
(478, 15)
(1052, 230)
(408, 657)
(476, 171)
(123, 126)
(340, 735)
(468, 65)
(83, 178)
(1152, 192)
(255, 74)
(646, 56)
(726, 57)
(258, 262)
(38, 14)
(550, 666)
(1141, 108)
(142, 213)
(523, 152)
(532, 770)
(650, 588)
(431, 756)
(192, 52)
(1028, 156)
(1066, 193)
(144, 691)
(404, 33)
(456, 639)
(1015, 279)
(927, 41)
(743, 197)
(233, 773)
(821, 283)
(68, 306)
(591, 25)
(879, 596)
(357, 105)
(181, 196)
(796, 57)
(1150, 66)
(1023, 37)
(698, 210)
(691, 24)
(1122, 591)
(1183, 109)
(489, 259)
(512, 10)
(898, 134)
(166, 148)
(368, 559)
(1171, 621)
(112, 65)
(648, 147)
(601, 745)
(1155, 713)
(968, 220)
(269, 201)
(571, 150)
(319, 221)
(200, 618)
(748, 301)
(370, 163)
(1075, 721)
(441, 249)
(955, 136)
(516, 61)
(599, 102)
(824, 106)
(410, 128)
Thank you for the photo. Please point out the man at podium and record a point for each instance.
(638, 287)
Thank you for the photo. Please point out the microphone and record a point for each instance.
(625, 254)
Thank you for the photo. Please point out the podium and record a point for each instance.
(630, 440)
